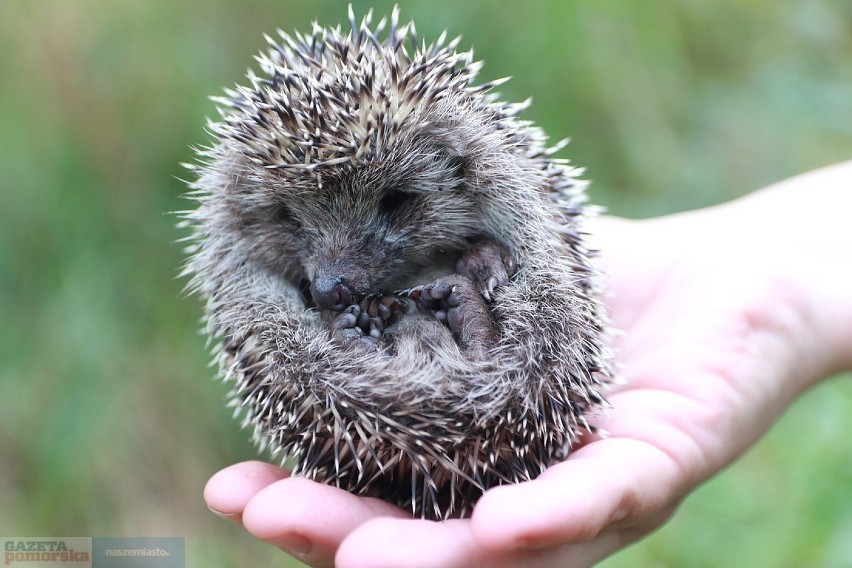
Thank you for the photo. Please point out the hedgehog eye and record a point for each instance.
(458, 166)
(284, 215)
(395, 200)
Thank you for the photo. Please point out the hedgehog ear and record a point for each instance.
(455, 149)
(459, 165)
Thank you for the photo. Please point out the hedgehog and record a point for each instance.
(395, 272)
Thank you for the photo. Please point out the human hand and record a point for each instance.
(727, 314)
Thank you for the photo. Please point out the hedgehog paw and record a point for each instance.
(455, 300)
(488, 264)
(347, 332)
(378, 312)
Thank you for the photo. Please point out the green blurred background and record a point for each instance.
(110, 422)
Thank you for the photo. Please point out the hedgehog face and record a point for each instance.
(349, 167)
(371, 230)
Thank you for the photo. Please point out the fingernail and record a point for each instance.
(228, 516)
(295, 545)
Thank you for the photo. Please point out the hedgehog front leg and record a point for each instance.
(455, 300)
(461, 300)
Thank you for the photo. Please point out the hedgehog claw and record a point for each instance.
(488, 265)
(414, 293)
(489, 288)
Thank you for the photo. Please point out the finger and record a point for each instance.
(228, 491)
(414, 543)
(607, 484)
(411, 543)
(308, 519)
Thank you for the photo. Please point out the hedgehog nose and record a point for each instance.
(331, 294)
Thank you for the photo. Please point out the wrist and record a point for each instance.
(804, 222)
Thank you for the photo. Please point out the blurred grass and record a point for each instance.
(109, 422)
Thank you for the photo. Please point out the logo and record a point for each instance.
(36, 552)
(93, 552)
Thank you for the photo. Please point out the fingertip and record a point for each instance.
(278, 509)
(228, 491)
(355, 551)
(309, 519)
(607, 484)
(281, 515)
(569, 503)
(414, 543)
(487, 521)
(508, 518)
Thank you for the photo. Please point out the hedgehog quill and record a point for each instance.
(394, 270)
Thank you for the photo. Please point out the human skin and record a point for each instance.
(727, 315)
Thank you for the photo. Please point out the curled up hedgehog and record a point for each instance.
(394, 270)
